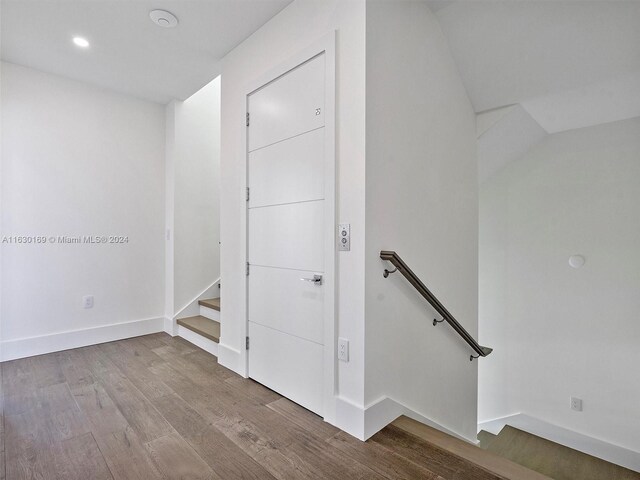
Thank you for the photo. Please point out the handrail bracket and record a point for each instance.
(386, 272)
(413, 279)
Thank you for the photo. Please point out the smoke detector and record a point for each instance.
(163, 19)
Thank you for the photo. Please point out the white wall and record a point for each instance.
(78, 160)
(421, 201)
(558, 331)
(195, 144)
(291, 31)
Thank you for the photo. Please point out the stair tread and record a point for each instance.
(486, 459)
(553, 459)
(213, 303)
(485, 438)
(203, 326)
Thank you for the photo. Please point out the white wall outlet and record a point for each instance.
(343, 349)
(576, 404)
(87, 301)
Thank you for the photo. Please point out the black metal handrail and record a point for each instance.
(402, 267)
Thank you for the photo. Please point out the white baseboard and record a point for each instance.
(350, 418)
(427, 421)
(364, 422)
(170, 326)
(55, 342)
(379, 414)
(232, 359)
(198, 340)
(583, 443)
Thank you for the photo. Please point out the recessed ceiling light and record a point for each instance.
(81, 42)
(162, 18)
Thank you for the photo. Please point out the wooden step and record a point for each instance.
(485, 439)
(203, 326)
(555, 460)
(211, 303)
(485, 459)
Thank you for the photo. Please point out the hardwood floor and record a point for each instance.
(554, 460)
(157, 407)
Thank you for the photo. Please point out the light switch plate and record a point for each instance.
(344, 237)
(343, 349)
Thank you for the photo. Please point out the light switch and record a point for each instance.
(344, 237)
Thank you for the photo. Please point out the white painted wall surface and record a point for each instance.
(1, 231)
(421, 201)
(170, 326)
(559, 331)
(292, 30)
(79, 160)
(196, 193)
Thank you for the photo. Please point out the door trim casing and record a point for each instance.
(327, 45)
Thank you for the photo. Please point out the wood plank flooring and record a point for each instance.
(555, 460)
(157, 407)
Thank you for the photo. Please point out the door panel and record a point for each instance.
(287, 231)
(290, 171)
(282, 301)
(288, 236)
(288, 106)
(293, 367)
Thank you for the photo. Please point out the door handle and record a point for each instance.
(316, 280)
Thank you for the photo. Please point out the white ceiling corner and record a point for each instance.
(540, 67)
(486, 120)
(568, 62)
(602, 102)
(508, 138)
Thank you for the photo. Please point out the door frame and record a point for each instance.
(327, 45)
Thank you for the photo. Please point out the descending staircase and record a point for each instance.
(512, 454)
(450, 457)
(549, 458)
(205, 326)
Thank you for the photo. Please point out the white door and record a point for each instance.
(287, 222)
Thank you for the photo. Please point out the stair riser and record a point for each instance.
(198, 340)
(210, 313)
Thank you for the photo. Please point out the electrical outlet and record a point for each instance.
(87, 301)
(576, 404)
(343, 349)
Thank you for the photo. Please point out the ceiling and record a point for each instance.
(563, 64)
(511, 51)
(128, 52)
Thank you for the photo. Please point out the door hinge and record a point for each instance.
(247, 194)
(247, 119)
(247, 343)
(247, 268)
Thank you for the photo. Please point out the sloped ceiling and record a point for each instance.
(504, 135)
(128, 52)
(563, 64)
(510, 51)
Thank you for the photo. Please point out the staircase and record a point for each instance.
(447, 456)
(549, 458)
(203, 330)
(512, 454)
